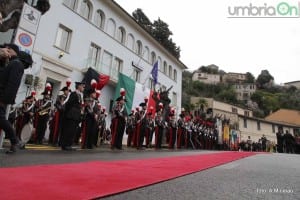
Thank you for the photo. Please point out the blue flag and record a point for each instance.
(154, 72)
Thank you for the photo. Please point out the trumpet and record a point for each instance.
(44, 111)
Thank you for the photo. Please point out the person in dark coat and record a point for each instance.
(89, 121)
(56, 123)
(72, 116)
(118, 122)
(10, 80)
(279, 136)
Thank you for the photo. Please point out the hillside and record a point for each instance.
(267, 98)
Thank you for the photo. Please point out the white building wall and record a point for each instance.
(48, 66)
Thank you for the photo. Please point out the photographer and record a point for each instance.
(11, 72)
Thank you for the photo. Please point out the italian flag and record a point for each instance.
(135, 93)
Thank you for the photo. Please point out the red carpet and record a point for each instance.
(97, 179)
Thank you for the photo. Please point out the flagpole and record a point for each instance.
(138, 62)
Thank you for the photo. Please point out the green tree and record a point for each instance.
(264, 80)
(249, 78)
(142, 19)
(159, 30)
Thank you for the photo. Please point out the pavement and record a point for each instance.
(263, 176)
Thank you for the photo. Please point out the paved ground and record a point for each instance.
(263, 176)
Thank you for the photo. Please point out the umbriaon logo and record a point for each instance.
(280, 10)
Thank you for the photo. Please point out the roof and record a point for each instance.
(285, 116)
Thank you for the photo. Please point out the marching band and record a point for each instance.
(78, 117)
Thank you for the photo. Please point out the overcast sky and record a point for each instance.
(206, 34)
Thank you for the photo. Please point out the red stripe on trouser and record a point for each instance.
(179, 133)
(156, 137)
(171, 138)
(83, 138)
(147, 136)
(114, 132)
(138, 134)
(133, 139)
(56, 123)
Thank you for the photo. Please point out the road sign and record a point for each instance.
(30, 19)
(24, 40)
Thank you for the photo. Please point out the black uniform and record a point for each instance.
(71, 119)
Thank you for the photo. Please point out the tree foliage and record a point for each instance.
(159, 30)
(264, 80)
(249, 78)
(268, 99)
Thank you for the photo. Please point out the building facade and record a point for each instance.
(293, 83)
(244, 90)
(206, 77)
(243, 121)
(232, 77)
(77, 34)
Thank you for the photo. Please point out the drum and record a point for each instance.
(26, 132)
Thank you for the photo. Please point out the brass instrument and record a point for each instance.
(44, 111)
(45, 108)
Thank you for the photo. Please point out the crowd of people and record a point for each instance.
(78, 118)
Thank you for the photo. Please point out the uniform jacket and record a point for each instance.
(10, 79)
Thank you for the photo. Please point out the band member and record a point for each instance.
(25, 113)
(142, 123)
(56, 123)
(72, 116)
(43, 107)
(89, 121)
(102, 126)
(150, 128)
(181, 130)
(159, 127)
(130, 126)
(172, 129)
(118, 121)
(137, 125)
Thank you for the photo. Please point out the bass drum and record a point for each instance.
(26, 132)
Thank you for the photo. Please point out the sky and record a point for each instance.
(210, 32)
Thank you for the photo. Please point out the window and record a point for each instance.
(70, 3)
(170, 71)
(139, 48)
(106, 62)
(111, 27)
(100, 19)
(153, 58)
(175, 75)
(245, 123)
(273, 128)
(121, 35)
(146, 53)
(94, 56)
(86, 9)
(165, 67)
(136, 75)
(234, 110)
(160, 66)
(258, 125)
(130, 41)
(246, 113)
(174, 99)
(117, 67)
(63, 38)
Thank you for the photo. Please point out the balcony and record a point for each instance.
(103, 68)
